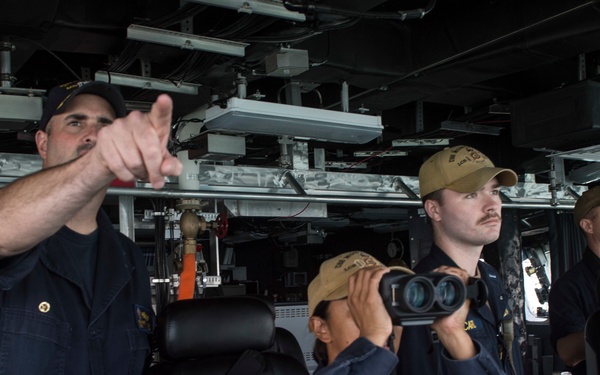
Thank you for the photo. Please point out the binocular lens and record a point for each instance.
(450, 292)
(416, 295)
(447, 293)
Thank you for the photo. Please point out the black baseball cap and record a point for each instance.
(60, 96)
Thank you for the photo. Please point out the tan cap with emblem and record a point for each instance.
(585, 203)
(462, 169)
(332, 281)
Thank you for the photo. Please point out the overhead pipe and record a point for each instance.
(400, 185)
(161, 268)
(242, 85)
(289, 179)
(6, 48)
(378, 201)
(383, 199)
(554, 186)
(344, 94)
(307, 7)
(189, 223)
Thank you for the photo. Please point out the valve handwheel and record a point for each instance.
(222, 226)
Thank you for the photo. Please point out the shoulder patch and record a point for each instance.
(143, 318)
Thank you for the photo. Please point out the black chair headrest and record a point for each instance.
(204, 327)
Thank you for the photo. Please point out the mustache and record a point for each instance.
(85, 147)
(489, 216)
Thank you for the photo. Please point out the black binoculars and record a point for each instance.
(417, 299)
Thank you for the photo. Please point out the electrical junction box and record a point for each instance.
(287, 62)
(564, 119)
(218, 147)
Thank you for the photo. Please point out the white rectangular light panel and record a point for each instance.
(256, 117)
(264, 7)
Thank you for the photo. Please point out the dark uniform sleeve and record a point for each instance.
(14, 269)
(361, 357)
(482, 363)
(565, 309)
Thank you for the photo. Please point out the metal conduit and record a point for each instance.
(5, 62)
(379, 201)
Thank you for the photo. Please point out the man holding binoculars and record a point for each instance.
(459, 187)
(460, 190)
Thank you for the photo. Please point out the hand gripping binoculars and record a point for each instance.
(417, 299)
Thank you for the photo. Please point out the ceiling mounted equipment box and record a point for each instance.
(256, 117)
(217, 147)
(287, 62)
(24, 106)
(563, 119)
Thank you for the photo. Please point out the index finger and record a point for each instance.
(161, 113)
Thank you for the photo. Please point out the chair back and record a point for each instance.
(209, 336)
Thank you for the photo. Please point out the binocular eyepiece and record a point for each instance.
(420, 299)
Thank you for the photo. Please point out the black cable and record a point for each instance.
(53, 55)
(160, 261)
(131, 50)
(189, 10)
(126, 58)
(303, 34)
(90, 27)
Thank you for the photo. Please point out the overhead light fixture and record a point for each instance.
(185, 41)
(425, 142)
(256, 117)
(147, 83)
(586, 174)
(590, 153)
(379, 154)
(470, 128)
(266, 8)
(18, 104)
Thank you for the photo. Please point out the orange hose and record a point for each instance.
(188, 277)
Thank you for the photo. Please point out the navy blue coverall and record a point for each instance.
(417, 352)
(572, 300)
(48, 325)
